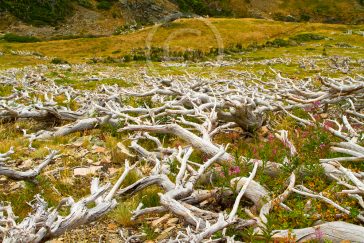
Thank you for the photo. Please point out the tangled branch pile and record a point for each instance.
(195, 111)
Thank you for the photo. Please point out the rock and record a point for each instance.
(26, 164)
(86, 170)
(78, 142)
(93, 78)
(65, 67)
(160, 220)
(165, 233)
(16, 185)
(112, 170)
(106, 159)
(124, 150)
(98, 149)
(81, 154)
(172, 221)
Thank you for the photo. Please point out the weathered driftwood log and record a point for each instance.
(255, 192)
(334, 231)
(46, 223)
(77, 126)
(48, 114)
(194, 110)
(29, 174)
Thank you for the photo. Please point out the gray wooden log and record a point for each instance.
(29, 174)
(335, 231)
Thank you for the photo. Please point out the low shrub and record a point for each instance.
(280, 43)
(58, 61)
(85, 3)
(307, 37)
(202, 7)
(104, 5)
(38, 12)
(284, 18)
(10, 37)
(305, 17)
(72, 37)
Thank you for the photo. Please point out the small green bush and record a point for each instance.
(10, 37)
(127, 58)
(104, 5)
(284, 18)
(38, 12)
(305, 17)
(279, 43)
(85, 3)
(58, 61)
(307, 37)
(72, 37)
(116, 52)
(202, 7)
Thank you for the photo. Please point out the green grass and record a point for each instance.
(10, 37)
(312, 144)
(5, 90)
(249, 31)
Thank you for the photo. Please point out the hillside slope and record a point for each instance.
(233, 32)
(80, 19)
(328, 11)
(105, 17)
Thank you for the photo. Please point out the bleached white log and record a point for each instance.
(336, 232)
(46, 223)
(254, 192)
(305, 192)
(29, 174)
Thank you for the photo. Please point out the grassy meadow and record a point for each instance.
(243, 41)
(188, 34)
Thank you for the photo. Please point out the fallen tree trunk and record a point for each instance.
(333, 231)
(29, 174)
(46, 223)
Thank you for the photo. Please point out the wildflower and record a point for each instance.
(274, 151)
(234, 170)
(319, 234)
(317, 117)
(255, 153)
(305, 134)
(328, 125)
(219, 171)
(316, 104)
